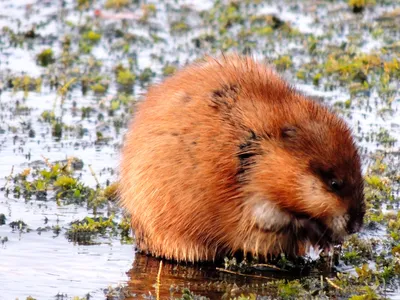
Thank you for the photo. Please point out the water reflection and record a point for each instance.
(202, 279)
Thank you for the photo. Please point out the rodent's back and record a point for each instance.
(178, 166)
(189, 172)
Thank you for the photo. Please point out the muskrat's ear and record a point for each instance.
(289, 132)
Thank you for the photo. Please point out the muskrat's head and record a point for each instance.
(304, 178)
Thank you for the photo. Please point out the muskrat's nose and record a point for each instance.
(356, 214)
(353, 226)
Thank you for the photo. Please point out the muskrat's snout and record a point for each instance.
(356, 214)
(352, 221)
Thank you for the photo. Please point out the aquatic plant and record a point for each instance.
(179, 27)
(358, 6)
(168, 70)
(98, 88)
(125, 78)
(116, 4)
(92, 37)
(45, 58)
(83, 231)
(283, 62)
(26, 83)
(111, 192)
(2, 219)
(48, 116)
(146, 75)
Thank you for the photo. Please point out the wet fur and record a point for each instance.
(225, 156)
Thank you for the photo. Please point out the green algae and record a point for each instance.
(59, 182)
(98, 88)
(146, 76)
(125, 77)
(92, 37)
(26, 83)
(117, 4)
(88, 230)
(283, 63)
(83, 231)
(45, 58)
(83, 4)
(179, 27)
(111, 192)
(19, 225)
(290, 290)
(359, 5)
(2, 219)
(48, 116)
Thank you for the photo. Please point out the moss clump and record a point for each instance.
(265, 25)
(301, 74)
(351, 257)
(354, 68)
(263, 31)
(290, 290)
(383, 137)
(45, 58)
(114, 106)
(283, 63)
(392, 67)
(83, 4)
(146, 75)
(358, 6)
(125, 230)
(317, 77)
(2, 219)
(57, 130)
(86, 112)
(125, 77)
(376, 182)
(48, 116)
(111, 192)
(85, 230)
(150, 8)
(148, 11)
(65, 182)
(26, 83)
(19, 225)
(98, 88)
(227, 15)
(57, 177)
(369, 294)
(251, 296)
(72, 190)
(205, 39)
(179, 27)
(117, 4)
(92, 37)
(168, 70)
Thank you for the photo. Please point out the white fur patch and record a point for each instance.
(269, 216)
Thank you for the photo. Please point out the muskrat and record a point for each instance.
(226, 157)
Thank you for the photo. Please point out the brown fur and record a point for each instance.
(224, 156)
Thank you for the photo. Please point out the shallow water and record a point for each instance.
(44, 264)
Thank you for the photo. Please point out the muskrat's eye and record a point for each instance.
(336, 184)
